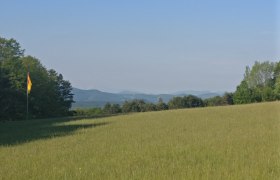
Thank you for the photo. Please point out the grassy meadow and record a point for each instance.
(231, 142)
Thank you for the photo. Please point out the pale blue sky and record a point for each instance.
(155, 46)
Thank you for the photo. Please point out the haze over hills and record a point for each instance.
(96, 98)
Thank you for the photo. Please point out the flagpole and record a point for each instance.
(27, 95)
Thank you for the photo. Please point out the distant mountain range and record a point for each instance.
(96, 98)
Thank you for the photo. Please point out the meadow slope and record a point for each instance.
(232, 142)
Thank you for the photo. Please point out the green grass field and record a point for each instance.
(233, 142)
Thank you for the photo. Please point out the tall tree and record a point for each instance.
(185, 102)
(258, 84)
(260, 75)
(228, 98)
(12, 80)
(243, 94)
(51, 95)
(277, 88)
(161, 105)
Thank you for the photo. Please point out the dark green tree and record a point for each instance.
(215, 101)
(277, 88)
(176, 103)
(50, 95)
(276, 79)
(243, 94)
(134, 106)
(150, 107)
(12, 80)
(161, 105)
(111, 108)
(185, 102)
(192, 101)
(228, 98)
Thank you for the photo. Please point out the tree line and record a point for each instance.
(260, 83)
(51, 95)
(139, 105)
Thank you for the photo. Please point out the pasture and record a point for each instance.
(230, 142)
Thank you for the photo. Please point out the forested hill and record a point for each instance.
(96, 98)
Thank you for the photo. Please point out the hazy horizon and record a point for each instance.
(146, 46)
(125, 91)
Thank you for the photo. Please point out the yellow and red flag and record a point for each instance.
(29, 83)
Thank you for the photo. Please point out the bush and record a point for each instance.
(88, 112)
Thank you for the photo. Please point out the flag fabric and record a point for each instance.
(29, 83)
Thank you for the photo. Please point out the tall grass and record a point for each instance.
(234, 142)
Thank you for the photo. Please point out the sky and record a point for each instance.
(151, 46)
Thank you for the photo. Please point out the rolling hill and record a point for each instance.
(96, 98)
(230, 142)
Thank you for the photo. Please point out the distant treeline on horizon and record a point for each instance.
(261, 83)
